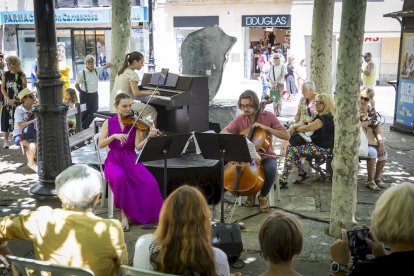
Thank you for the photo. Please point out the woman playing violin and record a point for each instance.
(135, 190)
(249, 104)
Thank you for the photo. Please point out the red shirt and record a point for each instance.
(266, 118)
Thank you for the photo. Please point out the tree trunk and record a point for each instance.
(121, 31)
(321, 48)
(347, 134)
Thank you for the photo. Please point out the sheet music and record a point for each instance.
(252, 149)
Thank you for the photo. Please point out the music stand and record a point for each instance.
(166, 147)
(223, 147)
(158, 148)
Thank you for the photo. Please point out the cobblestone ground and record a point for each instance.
(312, 200)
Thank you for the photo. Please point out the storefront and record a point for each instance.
(79, 32)
(271, 32)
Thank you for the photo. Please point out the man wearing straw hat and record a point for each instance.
(87, 85)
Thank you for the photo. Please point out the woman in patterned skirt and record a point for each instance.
(12, 82)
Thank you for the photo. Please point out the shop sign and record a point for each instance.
(405, 97)
(72, 16)
(266, 20)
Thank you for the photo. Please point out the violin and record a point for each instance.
(143, 126)
(247, 178)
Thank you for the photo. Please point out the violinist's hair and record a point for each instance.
(129, 59)
(249, 94)
(120, 97)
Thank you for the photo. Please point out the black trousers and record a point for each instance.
(270, 167)
(92, 104)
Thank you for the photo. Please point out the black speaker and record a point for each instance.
(227, 237)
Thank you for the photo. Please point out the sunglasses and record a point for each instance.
(31, 96)
(365, 99)
(318, 102)
(276, 58)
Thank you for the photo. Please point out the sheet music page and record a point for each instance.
(139, 152)
(252, 149)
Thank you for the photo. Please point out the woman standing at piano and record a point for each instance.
(127, 80)
(135, 190)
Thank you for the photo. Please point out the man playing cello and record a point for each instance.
(249, 104)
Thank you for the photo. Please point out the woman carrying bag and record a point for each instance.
(277, 82)
(369, 123)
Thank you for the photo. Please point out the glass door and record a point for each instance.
(79, 42)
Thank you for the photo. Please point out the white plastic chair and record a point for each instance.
(132, 271)
(104, 182)
(39, 266)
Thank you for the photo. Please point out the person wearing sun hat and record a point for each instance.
(23, 116)
(87, 85)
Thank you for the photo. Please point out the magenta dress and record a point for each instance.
(135, 190)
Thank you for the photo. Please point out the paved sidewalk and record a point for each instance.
(309, 199)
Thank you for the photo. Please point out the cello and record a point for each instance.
(247, 178)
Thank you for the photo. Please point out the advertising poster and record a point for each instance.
(405, 104)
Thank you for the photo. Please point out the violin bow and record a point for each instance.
(142, 111)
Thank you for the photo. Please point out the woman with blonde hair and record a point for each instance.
(12, 82)
(376, 150)
(181, 245)
(126, 81)
(392, 222)
(322, 125)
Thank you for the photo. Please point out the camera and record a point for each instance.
(357, 244)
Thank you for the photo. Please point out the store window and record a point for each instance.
(27, 48)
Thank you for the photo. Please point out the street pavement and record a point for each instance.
(311, 199)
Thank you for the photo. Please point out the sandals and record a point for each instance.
(380, 183)
(264, 208)
(372, 186)
(283, 184)
(303, 176)
(248, 202)
(125, 224)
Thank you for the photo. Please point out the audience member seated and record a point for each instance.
(392, 222)
(322, 125)
(71, 98)
(306, 107)
(23, 117)
(71, 236)
(376, 151)
(281, 239)
(181, 244)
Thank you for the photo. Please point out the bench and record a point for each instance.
(77, 110)
(316, 161)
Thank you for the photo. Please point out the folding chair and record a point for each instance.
(104, 182)
(132, 271)
(39, 266)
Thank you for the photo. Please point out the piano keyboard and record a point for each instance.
(166, 98)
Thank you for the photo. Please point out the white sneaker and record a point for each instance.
(5, 145)
(33, 167)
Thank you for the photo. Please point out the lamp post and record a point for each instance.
(53, 142)
(151, 60)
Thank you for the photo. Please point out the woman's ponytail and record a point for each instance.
(125, 65)
(129, 59)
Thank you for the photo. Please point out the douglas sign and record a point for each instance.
(266, 20)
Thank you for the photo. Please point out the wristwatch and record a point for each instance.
(337, 267)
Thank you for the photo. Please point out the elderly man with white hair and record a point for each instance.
(87, 85)
(71, 236)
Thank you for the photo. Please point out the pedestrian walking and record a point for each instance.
(369, 74)
(277, 82)
(291, 88)
(87, 85)
(12, 82)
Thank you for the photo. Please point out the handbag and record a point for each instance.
(363, 147)
(371, 136)
(274, 93)
(297, 140)
(29, 133)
